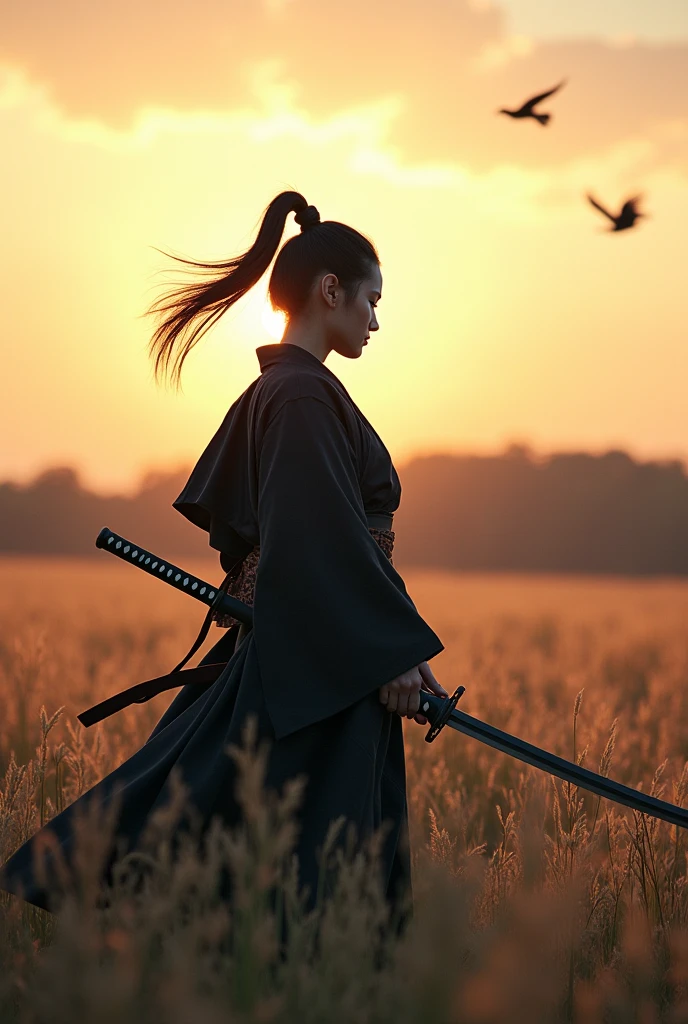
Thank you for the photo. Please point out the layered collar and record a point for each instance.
(270, 355)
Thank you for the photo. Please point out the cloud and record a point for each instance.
(110, 59)
(284, 138)
(444, 68)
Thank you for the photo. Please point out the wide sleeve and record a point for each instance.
(332, 619)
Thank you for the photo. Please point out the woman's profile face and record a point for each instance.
(351, 323)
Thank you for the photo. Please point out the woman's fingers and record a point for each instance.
(388, 696)
(429, 682)
(413, 703)
(409, 700)
(402, 695)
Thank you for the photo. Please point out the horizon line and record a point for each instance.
(514, 448)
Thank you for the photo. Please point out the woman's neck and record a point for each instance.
(309, 337)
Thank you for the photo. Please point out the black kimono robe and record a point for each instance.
(296, 469)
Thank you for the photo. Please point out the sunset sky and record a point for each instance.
(509, 313)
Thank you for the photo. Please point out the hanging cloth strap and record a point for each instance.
(142, 692)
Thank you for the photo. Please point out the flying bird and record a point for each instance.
(527, 109)
(626, 218)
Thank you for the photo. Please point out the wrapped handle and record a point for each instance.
(174, 576)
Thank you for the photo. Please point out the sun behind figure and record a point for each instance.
(273, 321)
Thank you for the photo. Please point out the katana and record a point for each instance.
(439, 711)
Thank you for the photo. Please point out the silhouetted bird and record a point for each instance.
(626, 219)
(527, 109)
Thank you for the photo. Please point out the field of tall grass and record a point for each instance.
(533, 901)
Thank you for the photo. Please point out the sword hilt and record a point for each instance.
(174, 576)
(437, 710)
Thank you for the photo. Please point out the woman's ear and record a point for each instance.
(329, 287)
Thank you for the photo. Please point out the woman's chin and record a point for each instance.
(350, 351)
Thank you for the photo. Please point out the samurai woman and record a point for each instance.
(297, 493)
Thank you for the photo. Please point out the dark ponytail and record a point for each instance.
(187, 312)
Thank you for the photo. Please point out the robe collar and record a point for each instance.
(269, 355)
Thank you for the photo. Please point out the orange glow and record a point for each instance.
(508, 312)
(273, 321)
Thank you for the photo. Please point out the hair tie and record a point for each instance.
(307, 218)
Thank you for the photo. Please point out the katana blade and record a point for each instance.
(443, 712)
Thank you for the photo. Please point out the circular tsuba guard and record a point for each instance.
(447, 706)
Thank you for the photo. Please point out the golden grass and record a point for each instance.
(534, 901)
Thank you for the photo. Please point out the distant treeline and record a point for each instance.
(56, 515)
(578, 513)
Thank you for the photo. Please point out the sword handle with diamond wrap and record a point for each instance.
(174, 576)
